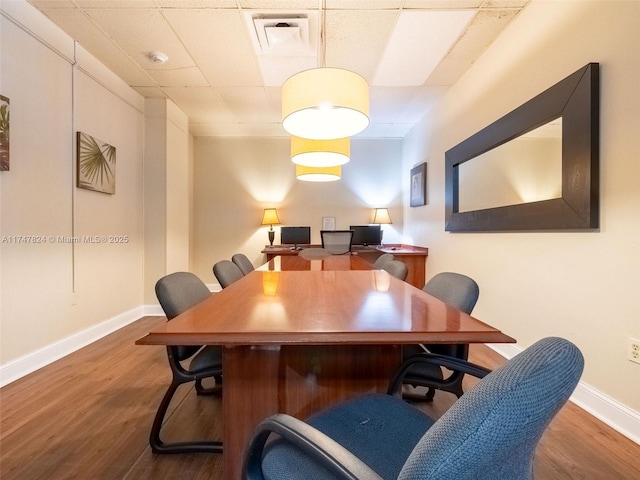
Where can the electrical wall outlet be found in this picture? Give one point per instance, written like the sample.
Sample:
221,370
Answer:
634,350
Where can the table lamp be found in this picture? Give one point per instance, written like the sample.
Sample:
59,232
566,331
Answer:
381,217
270,217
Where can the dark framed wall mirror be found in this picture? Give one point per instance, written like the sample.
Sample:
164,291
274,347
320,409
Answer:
536,168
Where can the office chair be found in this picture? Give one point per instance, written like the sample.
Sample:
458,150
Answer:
396,268
337,242
243,263
382,259
490,433
177,293
314,253
461,292
227,272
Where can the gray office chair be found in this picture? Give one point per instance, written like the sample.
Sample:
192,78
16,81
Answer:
490,433
314,253
461,292
177,293
243,263
396,268
382,259
227,272
337,242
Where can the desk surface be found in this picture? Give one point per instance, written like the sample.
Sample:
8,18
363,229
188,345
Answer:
338,300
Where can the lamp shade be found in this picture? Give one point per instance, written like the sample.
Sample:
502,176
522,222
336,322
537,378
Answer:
325,103
320,153
270,217
381,216
314,174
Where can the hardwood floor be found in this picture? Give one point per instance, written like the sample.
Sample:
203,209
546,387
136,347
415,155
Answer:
88,415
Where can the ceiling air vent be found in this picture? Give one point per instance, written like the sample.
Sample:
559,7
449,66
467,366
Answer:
283,34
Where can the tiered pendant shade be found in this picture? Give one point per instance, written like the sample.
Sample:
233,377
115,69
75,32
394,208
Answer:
321,174
320,153
325,103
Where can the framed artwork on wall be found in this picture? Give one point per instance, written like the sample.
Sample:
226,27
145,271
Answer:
418,186
328,223
96,164
4,133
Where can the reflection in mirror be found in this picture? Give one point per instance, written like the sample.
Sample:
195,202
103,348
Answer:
525,169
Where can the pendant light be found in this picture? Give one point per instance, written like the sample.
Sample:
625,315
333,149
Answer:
325,103
318,174
320,153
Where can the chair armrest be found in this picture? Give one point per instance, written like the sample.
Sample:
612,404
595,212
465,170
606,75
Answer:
451,363
323,449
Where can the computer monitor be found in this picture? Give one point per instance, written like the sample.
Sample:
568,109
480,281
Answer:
295,236
366,234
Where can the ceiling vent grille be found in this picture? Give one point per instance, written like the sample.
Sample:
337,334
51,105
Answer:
283,34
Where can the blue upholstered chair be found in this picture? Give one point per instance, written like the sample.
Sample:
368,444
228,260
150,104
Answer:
461,292
243,263
490,433
227,272
177,292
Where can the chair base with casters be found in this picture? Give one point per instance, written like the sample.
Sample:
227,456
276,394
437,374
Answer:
490,433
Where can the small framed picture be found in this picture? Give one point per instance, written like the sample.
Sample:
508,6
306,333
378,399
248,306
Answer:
4,133
328,223
96,164
418,185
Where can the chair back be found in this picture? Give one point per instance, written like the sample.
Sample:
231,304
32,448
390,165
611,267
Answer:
492,431
382,259
227,272
337,242
243,263
396,268
178,292
455,289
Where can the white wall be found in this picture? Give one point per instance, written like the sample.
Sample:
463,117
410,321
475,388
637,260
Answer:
236,178
54,290
583,285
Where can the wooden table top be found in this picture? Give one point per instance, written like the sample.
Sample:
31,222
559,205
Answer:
338,300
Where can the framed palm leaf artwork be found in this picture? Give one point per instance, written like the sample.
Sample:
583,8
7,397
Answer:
4,133
96,164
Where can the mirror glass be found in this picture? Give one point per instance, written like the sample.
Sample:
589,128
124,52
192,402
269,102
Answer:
525,169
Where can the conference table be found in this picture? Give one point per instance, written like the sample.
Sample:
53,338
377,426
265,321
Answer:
299,335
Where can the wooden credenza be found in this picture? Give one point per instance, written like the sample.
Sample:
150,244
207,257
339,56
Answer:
415,258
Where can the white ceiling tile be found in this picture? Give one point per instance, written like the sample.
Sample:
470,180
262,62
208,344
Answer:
421,39
197,3
385,130
115,3
275,70
280,4
442,4
140,31
357,39
92,39
201,104
364,4
182,77
46,4
219,42
250,103
480,33
236,130
150,92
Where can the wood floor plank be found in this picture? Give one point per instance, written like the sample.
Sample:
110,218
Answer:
88,415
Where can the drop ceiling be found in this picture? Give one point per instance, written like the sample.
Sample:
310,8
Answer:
227,59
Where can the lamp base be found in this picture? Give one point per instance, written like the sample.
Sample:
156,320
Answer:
272,235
